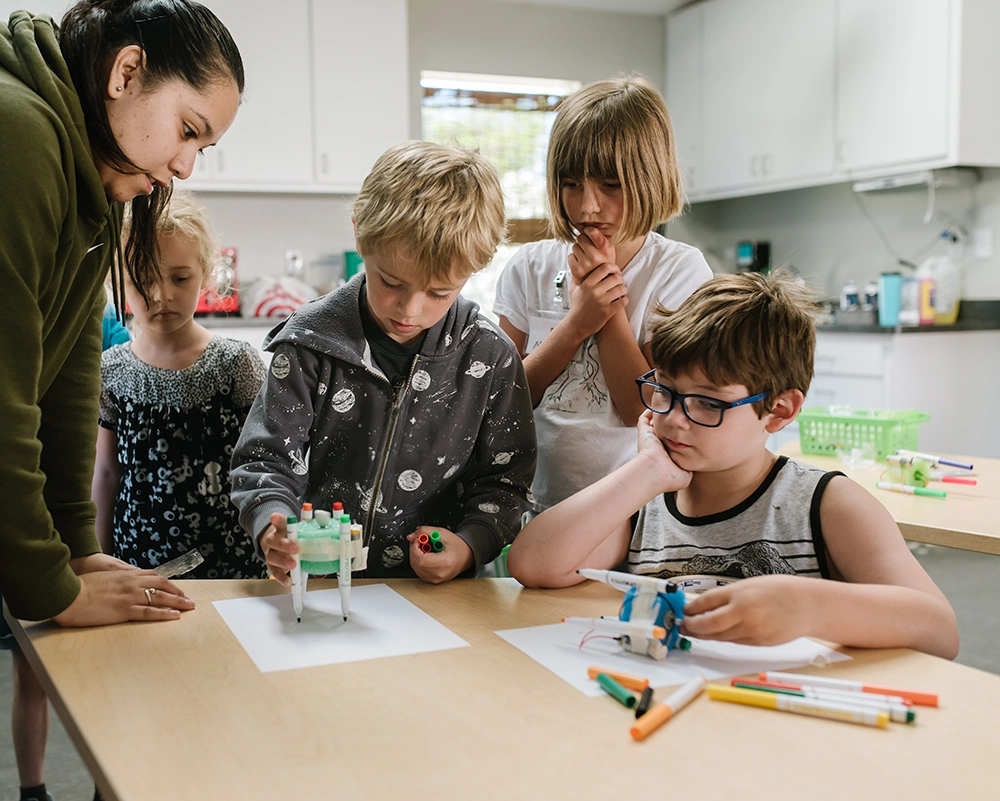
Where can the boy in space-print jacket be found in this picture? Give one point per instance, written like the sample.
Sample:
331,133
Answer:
446,442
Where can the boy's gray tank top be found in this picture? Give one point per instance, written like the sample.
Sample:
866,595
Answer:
775,531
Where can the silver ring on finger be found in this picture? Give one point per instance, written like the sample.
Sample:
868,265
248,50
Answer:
149,595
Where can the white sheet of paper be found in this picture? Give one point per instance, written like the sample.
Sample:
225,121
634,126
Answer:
557,647
381,623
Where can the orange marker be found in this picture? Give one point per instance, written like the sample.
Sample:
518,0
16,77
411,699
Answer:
661,713
637,683
797,681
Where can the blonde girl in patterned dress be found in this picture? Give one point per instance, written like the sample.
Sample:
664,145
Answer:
173,402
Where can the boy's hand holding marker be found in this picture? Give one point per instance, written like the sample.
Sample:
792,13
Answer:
437,567
763,610
279,551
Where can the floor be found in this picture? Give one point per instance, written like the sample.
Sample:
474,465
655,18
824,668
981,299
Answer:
971,582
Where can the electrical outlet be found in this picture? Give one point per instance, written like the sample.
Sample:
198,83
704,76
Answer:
982,244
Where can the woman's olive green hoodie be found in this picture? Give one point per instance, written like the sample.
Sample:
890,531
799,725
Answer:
57,231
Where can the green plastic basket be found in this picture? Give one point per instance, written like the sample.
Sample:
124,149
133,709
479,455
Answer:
824,429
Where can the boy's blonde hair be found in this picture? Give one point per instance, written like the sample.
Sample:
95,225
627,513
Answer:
617,129
183,216
751,329
443,206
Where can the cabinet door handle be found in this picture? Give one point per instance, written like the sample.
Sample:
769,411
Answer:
765,164
753,166
840,151
324,163
220,161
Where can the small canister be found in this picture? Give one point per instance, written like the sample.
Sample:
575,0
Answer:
890,288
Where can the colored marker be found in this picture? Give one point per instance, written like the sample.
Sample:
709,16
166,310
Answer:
911,490
424,543
626,581
307,511
798,681
661,713
644,701
298,586
969,482
832,710
616,626
936,460
637,683
896,700
896,712
436,544
344,574
615,690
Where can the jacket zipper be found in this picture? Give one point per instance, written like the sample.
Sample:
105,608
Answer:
397,401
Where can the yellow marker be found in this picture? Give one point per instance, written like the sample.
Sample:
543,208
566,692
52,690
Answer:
832,710
661,713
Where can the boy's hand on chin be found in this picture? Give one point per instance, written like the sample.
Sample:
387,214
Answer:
651,448
763,610
437,568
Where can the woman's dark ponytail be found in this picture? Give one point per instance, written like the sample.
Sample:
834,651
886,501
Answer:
180,40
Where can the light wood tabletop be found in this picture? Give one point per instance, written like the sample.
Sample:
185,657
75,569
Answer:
969,518
177,710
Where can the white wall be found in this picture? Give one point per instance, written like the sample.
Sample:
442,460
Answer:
824,233
454,35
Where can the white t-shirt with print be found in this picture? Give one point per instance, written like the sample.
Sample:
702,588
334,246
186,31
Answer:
581,438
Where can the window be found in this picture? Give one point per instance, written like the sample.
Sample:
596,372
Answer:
509,120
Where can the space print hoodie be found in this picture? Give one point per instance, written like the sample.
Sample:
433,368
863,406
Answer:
452,444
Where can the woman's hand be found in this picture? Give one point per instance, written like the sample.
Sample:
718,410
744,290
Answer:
97,562
113,595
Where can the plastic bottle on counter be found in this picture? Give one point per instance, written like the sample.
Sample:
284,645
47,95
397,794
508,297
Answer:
945,267
925,293
869,301
849,296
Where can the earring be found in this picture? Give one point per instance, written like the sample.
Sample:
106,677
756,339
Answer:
118,88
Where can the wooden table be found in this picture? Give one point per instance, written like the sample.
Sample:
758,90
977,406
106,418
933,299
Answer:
969,518
178,711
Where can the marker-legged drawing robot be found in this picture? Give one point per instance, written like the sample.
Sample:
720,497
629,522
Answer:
650,615
327,546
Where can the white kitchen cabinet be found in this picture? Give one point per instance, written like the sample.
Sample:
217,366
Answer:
360,86
892,78
952,375
684,90
269,146
800,94
767,92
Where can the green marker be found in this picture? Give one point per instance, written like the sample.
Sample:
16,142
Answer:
436,544
615,690
930,493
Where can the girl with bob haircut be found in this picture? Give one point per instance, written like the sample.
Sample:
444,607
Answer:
577,306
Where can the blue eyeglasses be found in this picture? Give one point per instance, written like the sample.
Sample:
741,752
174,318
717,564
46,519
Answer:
699,409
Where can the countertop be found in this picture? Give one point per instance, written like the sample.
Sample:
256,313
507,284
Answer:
973,315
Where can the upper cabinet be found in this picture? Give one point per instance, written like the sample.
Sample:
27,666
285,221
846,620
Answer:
323,96
795,94
269,145
892,75
360,87
767,92
684,90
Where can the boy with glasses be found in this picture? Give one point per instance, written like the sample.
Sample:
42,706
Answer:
705,496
